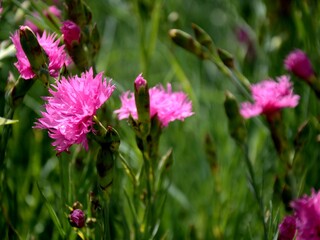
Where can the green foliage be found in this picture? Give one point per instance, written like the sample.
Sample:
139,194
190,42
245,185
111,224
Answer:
203,187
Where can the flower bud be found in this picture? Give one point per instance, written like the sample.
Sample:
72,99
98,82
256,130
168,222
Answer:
77,218
31,47
187,42
226,58
142,100
299,64
71,33
203,38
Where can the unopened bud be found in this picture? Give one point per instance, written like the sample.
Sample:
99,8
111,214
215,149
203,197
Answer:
226,58
187,42
31,47
71,33
299,64
204,38
142,99
77,218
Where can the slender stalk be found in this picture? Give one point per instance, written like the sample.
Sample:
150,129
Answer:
5,138
106,217
255,187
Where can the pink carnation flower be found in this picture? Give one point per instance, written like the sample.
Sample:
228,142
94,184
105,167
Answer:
287,228
307,214
70,110
167,105
299,64
270,96
56,54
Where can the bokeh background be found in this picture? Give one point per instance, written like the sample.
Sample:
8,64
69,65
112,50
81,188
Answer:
209,196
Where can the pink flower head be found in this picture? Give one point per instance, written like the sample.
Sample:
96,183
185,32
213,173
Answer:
307,214
270,96
71,32
56,54
287,228
299,64
70,110
167,105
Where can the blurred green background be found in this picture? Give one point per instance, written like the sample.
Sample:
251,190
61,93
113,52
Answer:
209,196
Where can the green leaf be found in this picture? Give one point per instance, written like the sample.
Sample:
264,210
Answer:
53,214
4,121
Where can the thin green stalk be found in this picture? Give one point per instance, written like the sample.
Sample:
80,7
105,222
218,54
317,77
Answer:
242,86
106,217
142,43
255,187
5,138
64,183
128,170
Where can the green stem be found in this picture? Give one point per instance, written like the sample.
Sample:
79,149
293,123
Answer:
106,218
5,138
142,42
254,184
238,79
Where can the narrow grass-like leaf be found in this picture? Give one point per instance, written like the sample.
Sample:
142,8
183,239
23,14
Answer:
53,214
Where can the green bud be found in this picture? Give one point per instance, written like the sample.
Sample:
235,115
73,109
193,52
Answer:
236,124
142,99
187,42
226,58
204,38
34,52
